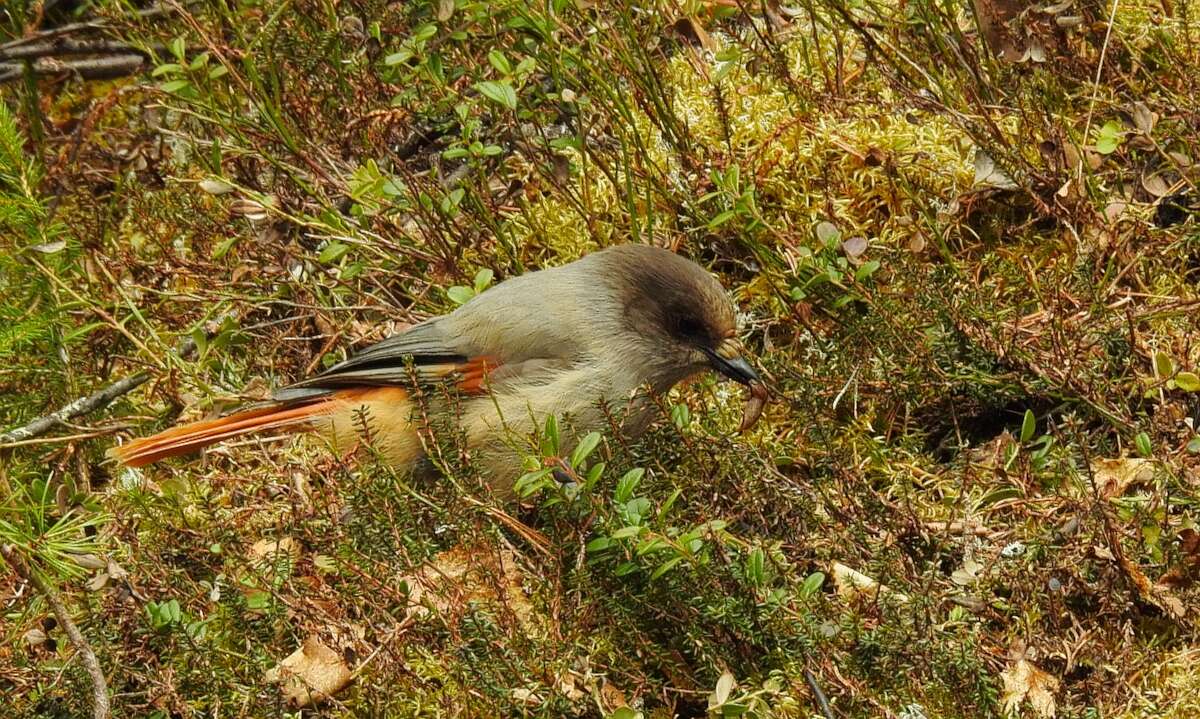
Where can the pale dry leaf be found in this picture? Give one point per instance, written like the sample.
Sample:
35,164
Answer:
1144,119
1114,210
1180,160
88,561
33,637
1025,682
827,232
1115,475
851,583
216,187
724,688
49,248
610,696
1155,185
568,687
968,573
987,172
526,696
115,571
462,575
269,549
855,246
311,674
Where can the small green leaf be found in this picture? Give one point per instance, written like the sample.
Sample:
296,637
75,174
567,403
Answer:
165,68
812,584
550,435
866,270
665,567
1193,445
626,485
1028,426
501,63
501,93
224,246
756,567
483,279
1188,381
1142,440
1164,366
626,532
333,252
624,713
999,495
398,58
721,218
460,295
680,415
530,482
584,449
1108,138
625,568
174,86
599,544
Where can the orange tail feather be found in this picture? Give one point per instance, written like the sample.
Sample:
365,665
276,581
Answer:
191,437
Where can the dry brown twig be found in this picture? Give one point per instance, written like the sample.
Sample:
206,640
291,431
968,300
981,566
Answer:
100,703
84,405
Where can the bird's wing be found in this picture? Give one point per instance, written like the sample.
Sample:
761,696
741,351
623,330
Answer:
423,354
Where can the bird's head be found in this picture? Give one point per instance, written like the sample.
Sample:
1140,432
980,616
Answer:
682,316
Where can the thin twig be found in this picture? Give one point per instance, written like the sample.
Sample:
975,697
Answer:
65,438
71,28
33,51
85,405
98,68
818,695
81,406
100,705
1087,125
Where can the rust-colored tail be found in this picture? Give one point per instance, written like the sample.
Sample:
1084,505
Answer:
191,437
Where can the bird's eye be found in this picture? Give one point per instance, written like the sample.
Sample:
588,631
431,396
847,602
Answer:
689,327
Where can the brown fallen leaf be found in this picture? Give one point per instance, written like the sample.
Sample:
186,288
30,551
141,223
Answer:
268,549
1025,682
1114,476
1184,572
852,583
462,575
311,674
692,32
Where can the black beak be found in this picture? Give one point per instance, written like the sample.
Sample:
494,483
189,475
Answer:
727,360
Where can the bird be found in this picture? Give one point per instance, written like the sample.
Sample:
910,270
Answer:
584,342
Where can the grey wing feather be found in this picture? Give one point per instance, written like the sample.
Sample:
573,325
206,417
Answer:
423,352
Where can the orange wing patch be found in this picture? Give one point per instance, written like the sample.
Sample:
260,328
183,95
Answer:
473,374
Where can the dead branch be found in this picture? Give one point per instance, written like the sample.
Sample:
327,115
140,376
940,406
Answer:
100,705
97,68
85,405
84,26
52,48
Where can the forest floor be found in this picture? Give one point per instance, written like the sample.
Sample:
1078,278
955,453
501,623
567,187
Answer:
970,277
